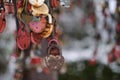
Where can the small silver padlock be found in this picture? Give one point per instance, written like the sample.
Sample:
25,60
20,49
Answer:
65,3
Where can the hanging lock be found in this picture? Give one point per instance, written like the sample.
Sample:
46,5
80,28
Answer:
65,3
49,28
36,3
23,38
54,60
2,20
38,26
9,7
37,37
37,11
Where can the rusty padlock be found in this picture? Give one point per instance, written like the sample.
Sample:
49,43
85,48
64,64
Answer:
49,28
35,38
2,20
38,26
9,7
23,37
54,60
37,11
55,3
36,3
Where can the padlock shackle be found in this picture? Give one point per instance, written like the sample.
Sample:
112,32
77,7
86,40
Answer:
54,46
49,18
53,40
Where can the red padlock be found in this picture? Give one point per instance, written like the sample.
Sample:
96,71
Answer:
55,3
23,37
38,26
2,21
35,38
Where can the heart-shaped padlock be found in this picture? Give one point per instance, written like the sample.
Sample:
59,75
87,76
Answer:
36,3
37,11
55,3
35,38
2,20
54,60
23,38
9,7
38,26
49,28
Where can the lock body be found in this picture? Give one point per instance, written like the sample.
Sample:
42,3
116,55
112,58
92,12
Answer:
54,60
